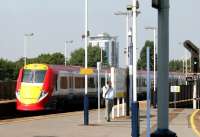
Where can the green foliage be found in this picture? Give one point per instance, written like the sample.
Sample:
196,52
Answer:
55,58
94,55
77,57
7,70
142,60
176,65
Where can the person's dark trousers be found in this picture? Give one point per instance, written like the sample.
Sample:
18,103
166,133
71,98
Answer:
109,105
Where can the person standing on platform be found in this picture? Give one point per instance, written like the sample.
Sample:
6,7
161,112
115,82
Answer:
109,96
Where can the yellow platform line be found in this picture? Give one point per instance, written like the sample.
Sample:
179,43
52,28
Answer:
192,122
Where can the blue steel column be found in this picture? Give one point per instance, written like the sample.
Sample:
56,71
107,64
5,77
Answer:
148,113
163,58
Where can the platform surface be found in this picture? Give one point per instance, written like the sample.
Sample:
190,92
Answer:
71,125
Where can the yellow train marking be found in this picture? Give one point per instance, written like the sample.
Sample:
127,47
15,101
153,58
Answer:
193,123
36,66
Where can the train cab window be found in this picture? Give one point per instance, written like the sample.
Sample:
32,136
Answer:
91,83
33,76
63,82
79,82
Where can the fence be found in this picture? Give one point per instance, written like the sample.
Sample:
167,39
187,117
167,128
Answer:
7,90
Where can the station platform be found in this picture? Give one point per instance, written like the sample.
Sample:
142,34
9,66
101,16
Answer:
71,125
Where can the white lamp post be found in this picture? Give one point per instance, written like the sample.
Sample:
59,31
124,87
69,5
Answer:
26,38
128,14
134,104
86,113
66,42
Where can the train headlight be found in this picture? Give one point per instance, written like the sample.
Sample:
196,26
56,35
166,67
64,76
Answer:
43,95
17,94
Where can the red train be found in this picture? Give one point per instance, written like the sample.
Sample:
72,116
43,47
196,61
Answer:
41,86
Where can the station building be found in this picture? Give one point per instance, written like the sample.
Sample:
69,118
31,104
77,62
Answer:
109,44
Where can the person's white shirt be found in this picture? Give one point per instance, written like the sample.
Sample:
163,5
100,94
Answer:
105,89
109,94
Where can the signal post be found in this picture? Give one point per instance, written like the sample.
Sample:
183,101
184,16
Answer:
163,58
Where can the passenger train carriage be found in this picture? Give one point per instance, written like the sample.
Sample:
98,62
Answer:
41,87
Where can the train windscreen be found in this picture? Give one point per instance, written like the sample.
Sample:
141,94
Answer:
33,76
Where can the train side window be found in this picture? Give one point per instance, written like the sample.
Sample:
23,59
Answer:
91,82
63,83
79,82
70,82
103,82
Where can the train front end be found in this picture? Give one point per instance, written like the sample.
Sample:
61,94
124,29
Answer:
34,87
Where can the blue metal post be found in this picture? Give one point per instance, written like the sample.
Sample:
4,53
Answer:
86,106
148,113
135,119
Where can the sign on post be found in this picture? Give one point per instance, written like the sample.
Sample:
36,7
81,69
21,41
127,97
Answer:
118,79
87,71
175,89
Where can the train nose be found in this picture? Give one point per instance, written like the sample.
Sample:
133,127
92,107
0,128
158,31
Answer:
29,94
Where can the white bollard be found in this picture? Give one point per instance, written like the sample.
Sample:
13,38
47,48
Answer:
117,107
123,107
113,112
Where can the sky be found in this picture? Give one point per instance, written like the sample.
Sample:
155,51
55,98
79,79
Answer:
55,21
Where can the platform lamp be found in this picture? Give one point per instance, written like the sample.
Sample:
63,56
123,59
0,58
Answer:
26,39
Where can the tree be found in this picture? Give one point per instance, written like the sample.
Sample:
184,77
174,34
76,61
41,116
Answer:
7,70
57,58
77,57
94,55
142,60
176,65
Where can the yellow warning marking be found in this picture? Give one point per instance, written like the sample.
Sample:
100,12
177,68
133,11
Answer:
193,124
87,71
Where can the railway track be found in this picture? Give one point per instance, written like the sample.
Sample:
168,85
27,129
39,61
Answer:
8,111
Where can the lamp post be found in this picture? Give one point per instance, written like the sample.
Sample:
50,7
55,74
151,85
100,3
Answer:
26,38
154,58
134,104
86,101
128,13
66,42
